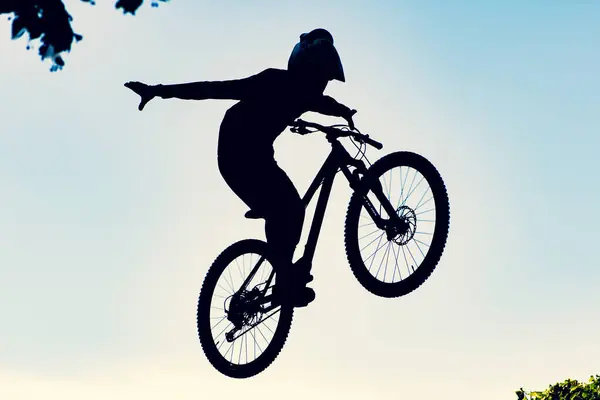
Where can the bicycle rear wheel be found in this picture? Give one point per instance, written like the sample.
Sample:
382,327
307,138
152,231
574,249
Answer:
240,331
398,260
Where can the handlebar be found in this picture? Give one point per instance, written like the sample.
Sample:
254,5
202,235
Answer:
300,126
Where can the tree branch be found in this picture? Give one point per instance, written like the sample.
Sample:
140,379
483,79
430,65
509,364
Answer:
49,21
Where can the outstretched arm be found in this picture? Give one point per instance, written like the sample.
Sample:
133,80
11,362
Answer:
225,90
237,89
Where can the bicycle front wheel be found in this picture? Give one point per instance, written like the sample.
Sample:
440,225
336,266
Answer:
395,261
240,331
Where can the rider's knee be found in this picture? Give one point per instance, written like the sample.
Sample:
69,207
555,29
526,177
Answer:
289,213
285,225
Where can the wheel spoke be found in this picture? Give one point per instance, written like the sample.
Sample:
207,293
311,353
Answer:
413,190
391,185
232,347
396,265
270,330
419,247
422,197
262,275
226,290
224,329
383,233
224,318
243,266
405,259
377,249
363,225
419,204
255,342
261,333
368,234
382,259
238,267
387,259
423,243
413,257
423,212
230,281
410,188
401,187
229,348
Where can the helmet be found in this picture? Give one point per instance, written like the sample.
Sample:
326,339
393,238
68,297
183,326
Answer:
316,50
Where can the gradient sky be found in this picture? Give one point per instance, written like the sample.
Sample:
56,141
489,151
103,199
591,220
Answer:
109,218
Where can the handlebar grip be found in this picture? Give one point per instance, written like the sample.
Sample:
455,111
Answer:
373,143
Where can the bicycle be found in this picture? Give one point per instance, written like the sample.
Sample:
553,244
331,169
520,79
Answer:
249,307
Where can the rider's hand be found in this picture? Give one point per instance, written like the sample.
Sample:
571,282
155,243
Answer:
146,92
349,118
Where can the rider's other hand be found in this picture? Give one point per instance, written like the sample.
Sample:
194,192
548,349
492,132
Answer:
349,119
143,90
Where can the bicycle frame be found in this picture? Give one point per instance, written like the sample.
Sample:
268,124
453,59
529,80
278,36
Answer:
338,159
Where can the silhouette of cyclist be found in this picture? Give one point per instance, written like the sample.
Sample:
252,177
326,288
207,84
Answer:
268,102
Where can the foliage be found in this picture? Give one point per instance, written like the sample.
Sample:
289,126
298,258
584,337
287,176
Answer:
49,21
567,390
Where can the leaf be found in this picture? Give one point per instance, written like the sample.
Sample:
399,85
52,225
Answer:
48,22
18,28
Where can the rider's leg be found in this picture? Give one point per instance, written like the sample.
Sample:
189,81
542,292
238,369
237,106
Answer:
267,189
284,214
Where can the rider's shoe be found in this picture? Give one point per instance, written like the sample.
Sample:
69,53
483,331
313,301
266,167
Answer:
303,297
294,292
291,286
299,295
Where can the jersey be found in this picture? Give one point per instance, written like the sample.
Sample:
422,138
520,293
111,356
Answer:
268,102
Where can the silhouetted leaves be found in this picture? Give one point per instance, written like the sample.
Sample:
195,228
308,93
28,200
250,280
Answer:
567,390
49,22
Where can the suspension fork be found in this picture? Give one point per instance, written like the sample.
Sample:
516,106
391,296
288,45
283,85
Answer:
363,184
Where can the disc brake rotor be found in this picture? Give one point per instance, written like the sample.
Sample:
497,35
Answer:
404,230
